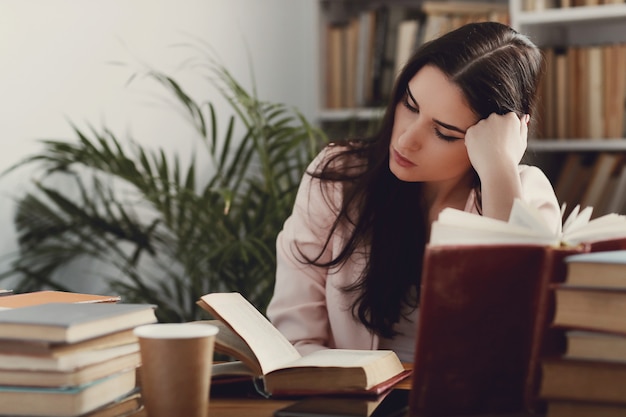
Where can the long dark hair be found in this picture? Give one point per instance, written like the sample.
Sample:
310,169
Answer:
498,71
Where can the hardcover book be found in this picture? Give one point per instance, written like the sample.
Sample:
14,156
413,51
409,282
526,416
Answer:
45,297
69,323
266,354
487,304
65,401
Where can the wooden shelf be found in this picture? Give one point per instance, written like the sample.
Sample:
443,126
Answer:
337,115
578,145
595,15
582,25
552,29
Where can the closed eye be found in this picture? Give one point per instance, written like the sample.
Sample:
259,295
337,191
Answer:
445,137
410,103
405,101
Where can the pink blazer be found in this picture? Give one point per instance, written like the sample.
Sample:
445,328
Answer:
308,305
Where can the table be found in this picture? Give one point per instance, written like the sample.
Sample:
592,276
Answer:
236,406
246,405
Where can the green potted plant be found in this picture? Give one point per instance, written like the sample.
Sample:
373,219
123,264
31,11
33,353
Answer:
161,233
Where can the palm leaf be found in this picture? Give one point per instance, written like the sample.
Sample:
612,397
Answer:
166,235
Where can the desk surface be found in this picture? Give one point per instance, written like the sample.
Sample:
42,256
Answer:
246,406
236,406
259,407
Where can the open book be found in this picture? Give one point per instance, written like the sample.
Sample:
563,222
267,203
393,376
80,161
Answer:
488,284
525,225
265,353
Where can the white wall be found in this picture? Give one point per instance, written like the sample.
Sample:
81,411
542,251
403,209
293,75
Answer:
55,66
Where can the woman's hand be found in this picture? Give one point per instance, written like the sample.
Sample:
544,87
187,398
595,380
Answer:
495,146
497,142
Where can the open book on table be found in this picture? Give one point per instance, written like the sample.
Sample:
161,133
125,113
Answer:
486,306
263,352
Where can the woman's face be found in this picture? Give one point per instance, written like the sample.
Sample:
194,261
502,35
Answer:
427,141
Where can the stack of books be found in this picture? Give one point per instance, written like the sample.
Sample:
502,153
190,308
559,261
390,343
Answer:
69,358
589,379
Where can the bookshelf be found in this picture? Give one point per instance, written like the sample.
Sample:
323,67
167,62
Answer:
566,128
580,138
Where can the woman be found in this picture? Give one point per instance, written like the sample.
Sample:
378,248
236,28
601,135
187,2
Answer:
350,255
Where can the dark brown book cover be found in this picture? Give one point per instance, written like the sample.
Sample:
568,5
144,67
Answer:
546,340
485,325
479,315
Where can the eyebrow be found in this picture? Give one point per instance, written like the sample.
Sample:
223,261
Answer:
439,122
449,127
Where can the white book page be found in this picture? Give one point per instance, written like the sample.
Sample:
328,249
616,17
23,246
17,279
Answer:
340,358
577,219
443,234
271,348
457,227
606,227
528,217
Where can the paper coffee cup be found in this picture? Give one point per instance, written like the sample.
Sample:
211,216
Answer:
176,360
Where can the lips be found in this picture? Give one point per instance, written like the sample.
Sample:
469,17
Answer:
401,160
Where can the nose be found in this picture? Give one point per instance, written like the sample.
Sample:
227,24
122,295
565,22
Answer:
412,134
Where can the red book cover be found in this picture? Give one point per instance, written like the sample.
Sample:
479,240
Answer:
479,314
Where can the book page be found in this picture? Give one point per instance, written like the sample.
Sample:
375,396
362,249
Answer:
577,219
271,348
457,227
230,343
339,358
529,217
610,226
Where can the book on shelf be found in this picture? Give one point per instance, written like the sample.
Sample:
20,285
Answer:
407,41
560,89
593,179
364,57
45,297
583,92
575,110
264,353
604,167
543,120
614,63
65,401
610,189
363,54
395,15
595,113
71,322
350,58
334,46
617,202
488,284
570,177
